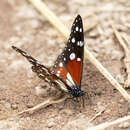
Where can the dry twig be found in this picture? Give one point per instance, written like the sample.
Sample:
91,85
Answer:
119,38
91,26
41,105
127,54
108,124
35,108
51,17
95,116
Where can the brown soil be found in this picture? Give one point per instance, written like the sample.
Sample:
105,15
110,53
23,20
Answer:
21,25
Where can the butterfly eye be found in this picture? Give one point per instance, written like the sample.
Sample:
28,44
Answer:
72,56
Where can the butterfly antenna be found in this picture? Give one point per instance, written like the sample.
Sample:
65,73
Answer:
27,56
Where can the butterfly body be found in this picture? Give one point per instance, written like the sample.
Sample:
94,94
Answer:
66,74
76,91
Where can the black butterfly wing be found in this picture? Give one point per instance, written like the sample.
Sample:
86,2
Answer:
69,64
67,71
43,72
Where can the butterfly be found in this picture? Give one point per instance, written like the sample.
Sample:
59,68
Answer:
66,74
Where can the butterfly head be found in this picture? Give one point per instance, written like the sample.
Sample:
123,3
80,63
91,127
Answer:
76,91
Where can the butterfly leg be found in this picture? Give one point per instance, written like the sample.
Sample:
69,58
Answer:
88,97
83,102
65,101
75,105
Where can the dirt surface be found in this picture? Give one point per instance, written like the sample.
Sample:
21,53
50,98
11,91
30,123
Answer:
21,25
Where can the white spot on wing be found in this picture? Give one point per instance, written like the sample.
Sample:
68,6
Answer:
38,62
41,75
78,59
78,43
72,56
73,40
46,79
61,64
44,69
80,29
81,43
25,54
58,71
70,79
31,60
69,83
64,59
77,29
57,74
62,85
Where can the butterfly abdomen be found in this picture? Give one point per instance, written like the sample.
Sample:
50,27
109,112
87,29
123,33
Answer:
76,91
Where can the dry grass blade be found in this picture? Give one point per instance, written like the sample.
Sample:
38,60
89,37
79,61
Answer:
95,116
40,6
58,24
41,105
91,26
52,18
119,38
108,124
126,40
99,66
35,108
124,43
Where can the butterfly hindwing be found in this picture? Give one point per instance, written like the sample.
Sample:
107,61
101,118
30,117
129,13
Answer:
69,64
43,72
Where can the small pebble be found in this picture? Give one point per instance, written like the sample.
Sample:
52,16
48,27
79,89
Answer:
121,27
94,34
30,105
50,124
34,23
121,100
7,105
11,119
40,91
14,106
107,42
116,55
120,79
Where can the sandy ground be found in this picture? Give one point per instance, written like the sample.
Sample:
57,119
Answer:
21,25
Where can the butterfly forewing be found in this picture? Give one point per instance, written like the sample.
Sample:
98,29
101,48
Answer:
69,64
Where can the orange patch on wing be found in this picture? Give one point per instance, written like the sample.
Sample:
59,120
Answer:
63,72
75,70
